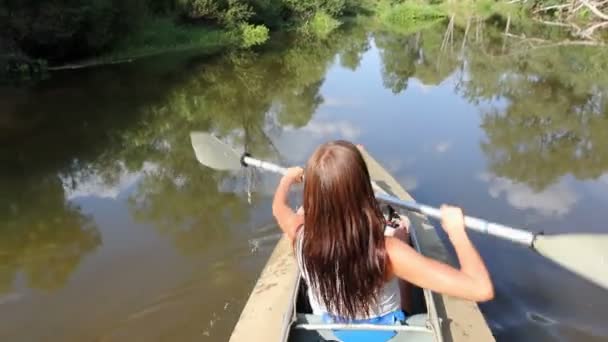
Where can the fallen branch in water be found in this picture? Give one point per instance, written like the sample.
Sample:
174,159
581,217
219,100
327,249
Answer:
594,9
569,13
552,23
588,32
552,7
553,44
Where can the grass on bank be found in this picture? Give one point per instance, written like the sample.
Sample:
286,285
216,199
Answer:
414,15
162,35
408,16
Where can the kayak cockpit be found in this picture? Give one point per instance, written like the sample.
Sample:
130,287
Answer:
306,326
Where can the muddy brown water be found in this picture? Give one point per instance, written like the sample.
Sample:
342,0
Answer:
111,231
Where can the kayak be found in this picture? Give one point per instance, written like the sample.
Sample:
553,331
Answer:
278,309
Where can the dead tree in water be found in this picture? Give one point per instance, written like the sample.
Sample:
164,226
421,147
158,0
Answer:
567,13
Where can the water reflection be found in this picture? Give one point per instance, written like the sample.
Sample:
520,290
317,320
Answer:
121,135
554,200
544,105
42,236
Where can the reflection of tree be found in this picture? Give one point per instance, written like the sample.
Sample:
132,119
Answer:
554,96
143,123
242,96
191,211
547,131
41,234
399,55
355,44
554,111
421,55
53,136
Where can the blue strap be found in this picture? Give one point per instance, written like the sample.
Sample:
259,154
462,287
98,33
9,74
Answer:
395,317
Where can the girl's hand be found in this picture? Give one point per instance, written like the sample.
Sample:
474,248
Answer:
404,223
452,220
294,175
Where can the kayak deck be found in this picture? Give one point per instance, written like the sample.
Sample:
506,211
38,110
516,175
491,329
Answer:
275,310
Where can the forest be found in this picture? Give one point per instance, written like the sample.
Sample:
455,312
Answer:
37,34
60,31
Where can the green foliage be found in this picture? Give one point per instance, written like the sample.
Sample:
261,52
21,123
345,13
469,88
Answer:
237,12
208,9
307,8
64,30
15,68
163,34
61,29
253,34
408,17
230,13
321,25
408,12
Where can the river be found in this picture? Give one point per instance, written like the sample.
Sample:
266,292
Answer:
111,231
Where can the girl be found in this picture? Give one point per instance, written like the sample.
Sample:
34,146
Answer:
350,265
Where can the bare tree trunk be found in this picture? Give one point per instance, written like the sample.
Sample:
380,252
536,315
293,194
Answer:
466,34
505,37
449,34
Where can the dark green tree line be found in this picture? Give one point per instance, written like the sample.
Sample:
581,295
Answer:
64,30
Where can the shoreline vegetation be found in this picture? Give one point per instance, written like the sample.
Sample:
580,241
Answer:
77,34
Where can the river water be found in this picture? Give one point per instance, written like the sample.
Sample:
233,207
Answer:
111,231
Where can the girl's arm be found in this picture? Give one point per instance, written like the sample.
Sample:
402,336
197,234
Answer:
471,281
287,219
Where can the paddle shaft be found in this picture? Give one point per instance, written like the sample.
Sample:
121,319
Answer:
501,231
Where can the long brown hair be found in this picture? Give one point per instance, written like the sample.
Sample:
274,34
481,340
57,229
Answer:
343,245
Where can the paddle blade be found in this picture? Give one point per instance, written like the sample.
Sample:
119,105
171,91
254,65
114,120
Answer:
583,254
213,153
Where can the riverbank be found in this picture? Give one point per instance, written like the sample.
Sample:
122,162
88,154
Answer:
80,34
211,30
161,36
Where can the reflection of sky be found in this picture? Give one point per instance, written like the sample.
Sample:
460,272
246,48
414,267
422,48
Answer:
557,199
95,186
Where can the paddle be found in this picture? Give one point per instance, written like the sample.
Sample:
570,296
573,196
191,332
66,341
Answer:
583,254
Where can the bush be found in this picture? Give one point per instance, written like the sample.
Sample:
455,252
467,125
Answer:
17,67
253,34
305,9
411,12
408,16
321,25
201,9
64,30
229,13
61,29
159,35
236,13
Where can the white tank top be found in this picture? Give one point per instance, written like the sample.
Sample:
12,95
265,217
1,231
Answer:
389,298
